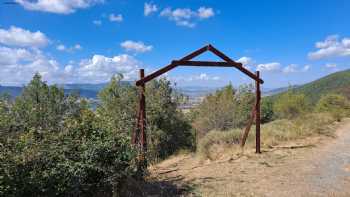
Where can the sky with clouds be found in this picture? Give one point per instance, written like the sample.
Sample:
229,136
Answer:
88,41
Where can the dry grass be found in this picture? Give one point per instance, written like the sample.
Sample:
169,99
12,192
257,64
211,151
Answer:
216,143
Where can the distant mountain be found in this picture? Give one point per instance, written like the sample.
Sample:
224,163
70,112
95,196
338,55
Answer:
278,90
89,91
92,87
338,82
16,91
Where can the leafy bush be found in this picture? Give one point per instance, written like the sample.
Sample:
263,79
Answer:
53,145
224,109
336,104
267,113
168,129
290,105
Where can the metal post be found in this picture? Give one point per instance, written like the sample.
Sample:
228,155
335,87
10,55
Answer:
257,115
142,126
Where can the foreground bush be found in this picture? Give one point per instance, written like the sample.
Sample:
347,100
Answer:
82,161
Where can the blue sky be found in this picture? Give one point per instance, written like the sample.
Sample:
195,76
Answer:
87,41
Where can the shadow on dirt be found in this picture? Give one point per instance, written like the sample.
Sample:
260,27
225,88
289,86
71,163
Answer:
155,188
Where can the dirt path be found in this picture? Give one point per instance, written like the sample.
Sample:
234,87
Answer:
323,170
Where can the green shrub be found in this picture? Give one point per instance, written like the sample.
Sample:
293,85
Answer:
223,110
336,104
82,160
267,113
290,105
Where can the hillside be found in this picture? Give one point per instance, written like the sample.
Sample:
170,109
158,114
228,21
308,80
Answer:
338,82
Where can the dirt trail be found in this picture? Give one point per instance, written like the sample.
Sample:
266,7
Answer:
323,170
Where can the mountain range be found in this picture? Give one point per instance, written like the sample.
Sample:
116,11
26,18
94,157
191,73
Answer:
338,82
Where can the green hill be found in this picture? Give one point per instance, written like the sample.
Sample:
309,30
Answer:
338,82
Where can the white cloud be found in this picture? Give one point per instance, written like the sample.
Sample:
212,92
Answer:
138,47
204,12
62,47
149,8
115,18
17,66
97,22
9,56
57,6
16,36
306,68
273,66
331,47
331,65
78,47
245,60
292,68
101,68
187,17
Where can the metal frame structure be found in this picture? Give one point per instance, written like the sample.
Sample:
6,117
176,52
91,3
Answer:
139,134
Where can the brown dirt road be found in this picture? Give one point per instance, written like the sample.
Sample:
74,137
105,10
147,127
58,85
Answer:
323,170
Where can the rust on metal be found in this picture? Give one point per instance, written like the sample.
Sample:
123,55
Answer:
257,115
205,63
249,125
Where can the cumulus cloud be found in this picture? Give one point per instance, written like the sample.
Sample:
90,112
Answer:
246,61
137,47
115,18
292,68
15,36
273,66
149,8
331,47
187,17
18,65
62,47
204,12
101,68
57,6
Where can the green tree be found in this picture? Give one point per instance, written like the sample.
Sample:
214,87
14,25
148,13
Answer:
6,119
43,107
168,130
117,108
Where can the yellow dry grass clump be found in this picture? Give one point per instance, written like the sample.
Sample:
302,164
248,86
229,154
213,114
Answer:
215,143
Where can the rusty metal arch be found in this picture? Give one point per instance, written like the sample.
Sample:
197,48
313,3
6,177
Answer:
139,135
